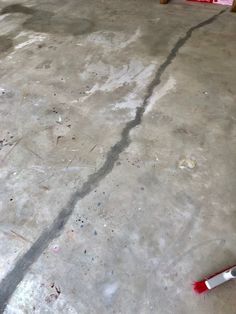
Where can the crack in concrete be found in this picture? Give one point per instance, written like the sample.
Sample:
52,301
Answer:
9,284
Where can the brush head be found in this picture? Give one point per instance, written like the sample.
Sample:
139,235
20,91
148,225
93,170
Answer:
200,287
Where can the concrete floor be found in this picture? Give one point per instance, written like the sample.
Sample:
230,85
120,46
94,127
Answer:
117,151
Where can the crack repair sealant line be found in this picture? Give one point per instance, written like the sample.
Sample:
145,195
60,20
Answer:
10,282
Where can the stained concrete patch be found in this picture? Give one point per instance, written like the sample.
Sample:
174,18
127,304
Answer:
17,8
47,22
5,44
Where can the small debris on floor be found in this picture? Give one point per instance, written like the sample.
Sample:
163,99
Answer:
53,296
187,163
55,248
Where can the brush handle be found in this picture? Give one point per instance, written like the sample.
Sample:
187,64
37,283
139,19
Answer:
221,278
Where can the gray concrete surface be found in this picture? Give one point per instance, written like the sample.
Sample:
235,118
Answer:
117,151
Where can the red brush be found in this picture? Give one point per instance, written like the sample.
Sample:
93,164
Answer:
215,280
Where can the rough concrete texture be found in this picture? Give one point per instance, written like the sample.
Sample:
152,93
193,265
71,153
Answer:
117,150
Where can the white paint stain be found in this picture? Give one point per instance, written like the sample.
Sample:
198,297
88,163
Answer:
155,20
132,39
134,74
112,40
135,71
141,77
32,39
159,93
22,33
2,17
110,289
